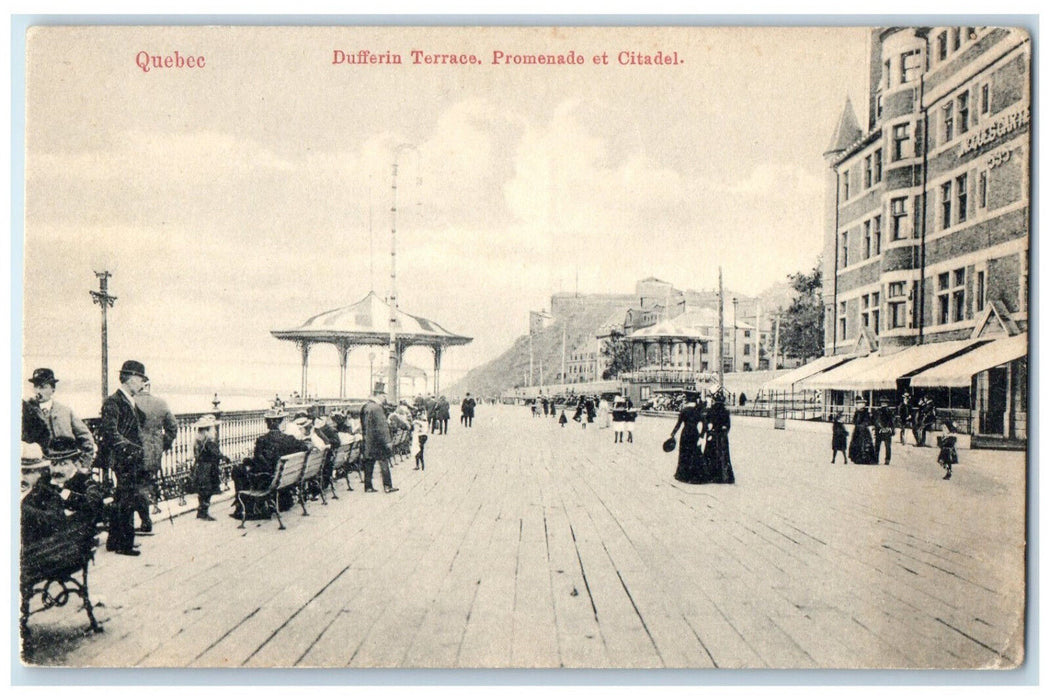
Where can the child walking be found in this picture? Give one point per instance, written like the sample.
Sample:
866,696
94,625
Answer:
948,456
419,455
205,475
839,439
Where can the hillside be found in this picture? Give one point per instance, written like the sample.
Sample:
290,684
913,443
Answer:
511,368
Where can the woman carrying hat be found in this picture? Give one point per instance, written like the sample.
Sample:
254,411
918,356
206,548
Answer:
205,477
690,420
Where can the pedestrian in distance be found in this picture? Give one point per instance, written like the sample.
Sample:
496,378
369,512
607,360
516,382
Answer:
861,445
420,463
205,476
467,410
563,420
884,417
948,454
904,414
839,439
716,454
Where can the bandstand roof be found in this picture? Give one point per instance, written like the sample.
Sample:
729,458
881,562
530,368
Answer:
668,330
368,323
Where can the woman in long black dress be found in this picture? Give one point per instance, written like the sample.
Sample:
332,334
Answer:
861,445
690,463
719,464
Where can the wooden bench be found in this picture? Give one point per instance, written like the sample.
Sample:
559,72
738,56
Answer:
56,567
353,460
287,475
313,473
340,466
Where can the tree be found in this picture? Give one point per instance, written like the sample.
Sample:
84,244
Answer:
802,324
617,352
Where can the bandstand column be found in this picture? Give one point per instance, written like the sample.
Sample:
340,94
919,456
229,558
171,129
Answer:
344,355
437,369
304,350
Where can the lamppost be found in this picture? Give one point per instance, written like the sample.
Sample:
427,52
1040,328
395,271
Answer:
735,333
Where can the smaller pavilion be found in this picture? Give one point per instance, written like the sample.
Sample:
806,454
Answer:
674,346
367,323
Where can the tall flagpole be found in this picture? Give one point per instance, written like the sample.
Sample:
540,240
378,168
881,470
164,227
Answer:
103,298
392,373
721,330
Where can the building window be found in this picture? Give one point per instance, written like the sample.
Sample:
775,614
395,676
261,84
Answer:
949,121
979,293
911,64
982,189
942,46
897,304
864,316
842,320
946,204
747,348
985,95
889,75
956,38
900,140
867,239
898,214
875,312
845,185
951,296
960,197
877,177
878,106
867,172
876,235
845,249
962,103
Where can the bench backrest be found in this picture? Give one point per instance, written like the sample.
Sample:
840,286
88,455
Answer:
340,456
355,449
314,462
289,470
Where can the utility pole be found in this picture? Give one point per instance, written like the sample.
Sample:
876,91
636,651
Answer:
721,331
103,298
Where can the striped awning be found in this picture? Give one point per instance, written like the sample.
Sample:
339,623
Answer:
821,364
880,372
960,371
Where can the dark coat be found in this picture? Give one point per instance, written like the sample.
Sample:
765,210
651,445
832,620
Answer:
839,436
205,475
884,420
121,437
376,432
271,447
467,407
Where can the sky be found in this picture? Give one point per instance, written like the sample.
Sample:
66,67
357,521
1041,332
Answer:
255,192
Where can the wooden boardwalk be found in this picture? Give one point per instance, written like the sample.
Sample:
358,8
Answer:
525,544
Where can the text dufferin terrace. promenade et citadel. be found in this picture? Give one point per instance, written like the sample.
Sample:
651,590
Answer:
502,58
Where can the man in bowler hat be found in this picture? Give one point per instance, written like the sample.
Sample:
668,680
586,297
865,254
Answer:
122,454
48,422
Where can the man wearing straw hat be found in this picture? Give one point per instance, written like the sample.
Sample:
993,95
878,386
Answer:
122,454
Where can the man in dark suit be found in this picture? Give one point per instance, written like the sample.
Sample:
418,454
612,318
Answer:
257,472
378,446
122,454
883,429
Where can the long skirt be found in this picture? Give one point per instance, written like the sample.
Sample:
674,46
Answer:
690,461
719,464
861,446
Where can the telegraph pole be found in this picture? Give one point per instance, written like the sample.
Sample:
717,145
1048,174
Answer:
721,331
392,373
103,298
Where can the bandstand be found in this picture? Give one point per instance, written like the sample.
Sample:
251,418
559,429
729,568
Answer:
367,323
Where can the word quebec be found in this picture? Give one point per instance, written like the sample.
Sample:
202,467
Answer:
501,58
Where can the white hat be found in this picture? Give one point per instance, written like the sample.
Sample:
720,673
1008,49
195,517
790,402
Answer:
206,421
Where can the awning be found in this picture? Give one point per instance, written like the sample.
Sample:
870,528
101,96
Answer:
839,377
784,381
879,372
960,371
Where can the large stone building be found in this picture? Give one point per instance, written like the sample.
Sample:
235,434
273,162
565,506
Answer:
928,204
